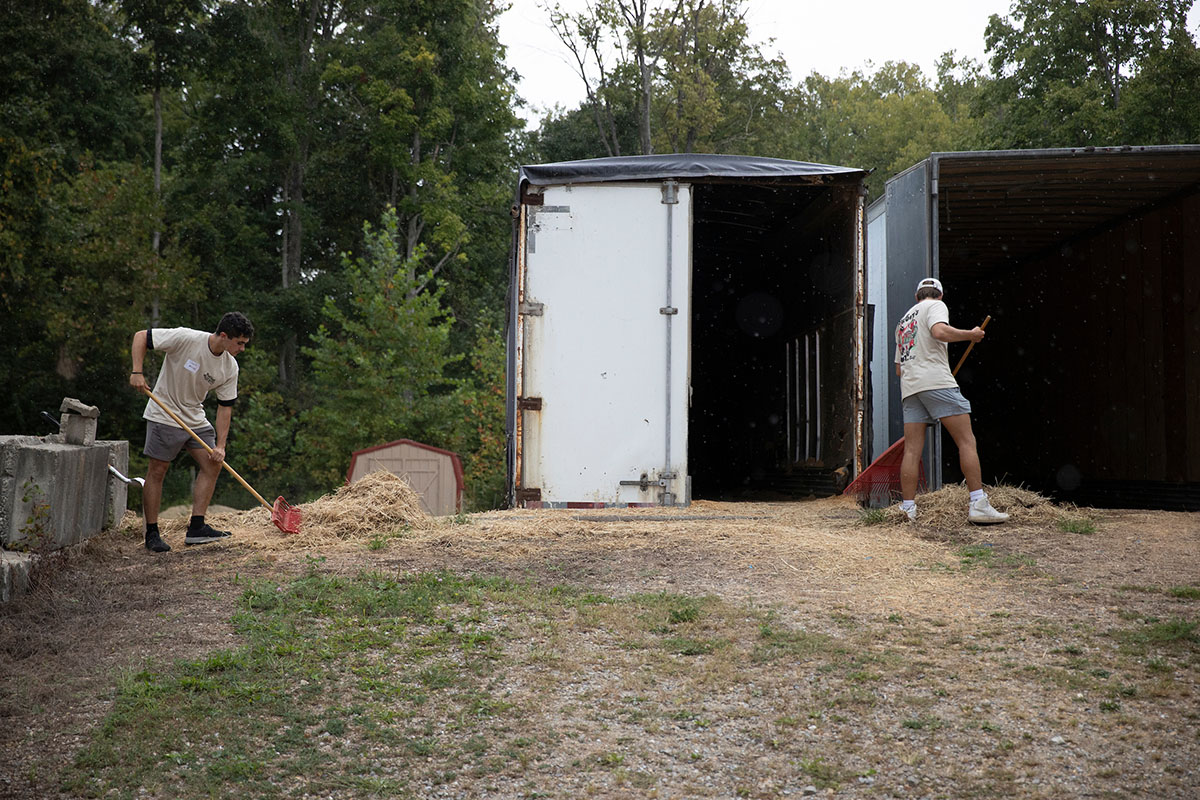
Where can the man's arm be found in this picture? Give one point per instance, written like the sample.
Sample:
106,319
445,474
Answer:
224,416
943,332
138,350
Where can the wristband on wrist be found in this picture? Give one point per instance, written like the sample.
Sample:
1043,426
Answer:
139,372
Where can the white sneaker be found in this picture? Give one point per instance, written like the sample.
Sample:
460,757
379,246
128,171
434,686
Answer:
982,513
911,512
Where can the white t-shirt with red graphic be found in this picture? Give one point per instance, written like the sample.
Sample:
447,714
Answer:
924,361
189,372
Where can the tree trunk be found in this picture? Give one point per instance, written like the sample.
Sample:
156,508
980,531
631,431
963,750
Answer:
156,298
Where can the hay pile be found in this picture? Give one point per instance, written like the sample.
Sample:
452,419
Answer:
379,504
945,511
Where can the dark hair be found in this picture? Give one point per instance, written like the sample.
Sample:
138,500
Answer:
235,324
925,292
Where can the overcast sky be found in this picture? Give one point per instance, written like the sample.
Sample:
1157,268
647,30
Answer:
824,36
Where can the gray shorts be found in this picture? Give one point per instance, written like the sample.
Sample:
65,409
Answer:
930,406
163,442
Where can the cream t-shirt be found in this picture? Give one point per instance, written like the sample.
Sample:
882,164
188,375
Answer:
189,372
924,361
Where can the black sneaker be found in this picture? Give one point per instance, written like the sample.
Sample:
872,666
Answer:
204,534
155,544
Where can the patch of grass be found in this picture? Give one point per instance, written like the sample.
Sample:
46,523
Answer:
776,643
1080,525
872,516
1185,592
923,723
823,774
1172,632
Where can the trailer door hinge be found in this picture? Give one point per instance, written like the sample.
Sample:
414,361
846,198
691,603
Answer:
529,403
668,310
526,495
531,309
670,190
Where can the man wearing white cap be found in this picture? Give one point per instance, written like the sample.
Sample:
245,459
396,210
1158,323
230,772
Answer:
929,393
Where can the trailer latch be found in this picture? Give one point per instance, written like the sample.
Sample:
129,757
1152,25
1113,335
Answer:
645,482
668,310
642,483
530,309
529,403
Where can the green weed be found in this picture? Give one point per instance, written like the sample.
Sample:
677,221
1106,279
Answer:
1081,525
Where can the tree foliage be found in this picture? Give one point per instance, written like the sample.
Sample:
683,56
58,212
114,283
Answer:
1061,68
163,161
380,355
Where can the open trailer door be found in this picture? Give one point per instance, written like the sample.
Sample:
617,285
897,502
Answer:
602,345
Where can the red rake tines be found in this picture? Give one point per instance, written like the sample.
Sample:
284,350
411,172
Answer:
285,516
879,483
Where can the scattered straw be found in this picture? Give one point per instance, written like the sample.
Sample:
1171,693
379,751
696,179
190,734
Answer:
944,512
376,505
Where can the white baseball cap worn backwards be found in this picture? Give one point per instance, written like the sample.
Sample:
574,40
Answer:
930,283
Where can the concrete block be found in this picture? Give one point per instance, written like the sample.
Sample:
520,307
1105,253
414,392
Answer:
14,574
70,405
78,430
116,497
9,445
57,496
78,422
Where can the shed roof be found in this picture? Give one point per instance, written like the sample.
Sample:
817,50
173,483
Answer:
681,166
1003,207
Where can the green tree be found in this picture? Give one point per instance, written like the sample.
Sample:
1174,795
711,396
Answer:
716,91
66,102
886,121
1160,104
1061,68
168,34
380,357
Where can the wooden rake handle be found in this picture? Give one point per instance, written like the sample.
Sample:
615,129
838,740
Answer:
204,444
967,353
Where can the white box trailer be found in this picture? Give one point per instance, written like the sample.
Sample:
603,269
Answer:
684,326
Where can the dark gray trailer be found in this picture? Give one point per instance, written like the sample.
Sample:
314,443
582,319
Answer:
1088,260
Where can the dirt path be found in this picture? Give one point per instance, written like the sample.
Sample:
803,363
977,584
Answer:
1000,667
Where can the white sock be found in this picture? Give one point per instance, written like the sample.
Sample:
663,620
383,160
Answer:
977,495
908,504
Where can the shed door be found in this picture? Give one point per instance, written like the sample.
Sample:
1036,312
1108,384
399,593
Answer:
605,318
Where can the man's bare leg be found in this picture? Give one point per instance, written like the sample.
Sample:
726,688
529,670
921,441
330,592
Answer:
206,480
910,466
959,427
156,472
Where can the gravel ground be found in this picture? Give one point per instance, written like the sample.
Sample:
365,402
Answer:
1012,661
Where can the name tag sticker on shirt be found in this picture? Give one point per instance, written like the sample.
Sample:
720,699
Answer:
191,366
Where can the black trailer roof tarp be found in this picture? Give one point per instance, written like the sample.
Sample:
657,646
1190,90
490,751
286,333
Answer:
680,166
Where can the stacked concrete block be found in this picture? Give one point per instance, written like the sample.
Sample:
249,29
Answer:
54,494
78,422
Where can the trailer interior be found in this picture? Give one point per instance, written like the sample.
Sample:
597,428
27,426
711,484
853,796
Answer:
1087,387
773,405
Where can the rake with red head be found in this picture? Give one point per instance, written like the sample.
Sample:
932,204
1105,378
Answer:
284,516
